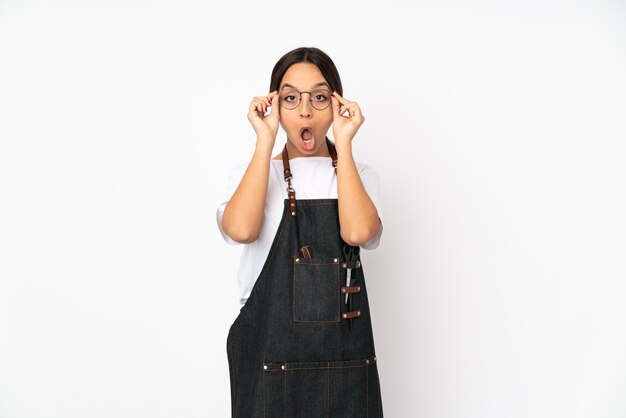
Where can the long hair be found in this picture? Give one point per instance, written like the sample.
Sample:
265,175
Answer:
309,55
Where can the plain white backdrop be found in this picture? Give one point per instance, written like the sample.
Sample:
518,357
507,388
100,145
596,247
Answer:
498,129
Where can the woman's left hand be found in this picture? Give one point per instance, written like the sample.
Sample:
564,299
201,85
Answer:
345,127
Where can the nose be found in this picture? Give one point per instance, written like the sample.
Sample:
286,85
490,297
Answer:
305,107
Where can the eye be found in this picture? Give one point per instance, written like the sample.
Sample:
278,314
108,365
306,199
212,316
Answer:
290,96
320,96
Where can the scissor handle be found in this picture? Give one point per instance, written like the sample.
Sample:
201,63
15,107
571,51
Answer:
351,252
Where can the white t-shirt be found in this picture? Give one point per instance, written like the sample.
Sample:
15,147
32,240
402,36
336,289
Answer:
313,178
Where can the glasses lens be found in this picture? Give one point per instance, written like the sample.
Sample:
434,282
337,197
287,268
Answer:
320,99
289,98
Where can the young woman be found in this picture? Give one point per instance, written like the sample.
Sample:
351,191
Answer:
302,344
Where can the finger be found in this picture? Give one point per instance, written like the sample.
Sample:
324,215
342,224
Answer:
269,97
253,113
274,104
336,108
263,100
273,98
341,99
258,102
270,101
353,108
357,112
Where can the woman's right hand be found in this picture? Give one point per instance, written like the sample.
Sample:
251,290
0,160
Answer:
265,126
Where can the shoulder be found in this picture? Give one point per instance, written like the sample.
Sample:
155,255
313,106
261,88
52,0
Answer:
238,170
361,166
234,177
242,166
366,170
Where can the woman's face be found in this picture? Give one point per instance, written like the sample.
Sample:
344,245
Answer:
306,126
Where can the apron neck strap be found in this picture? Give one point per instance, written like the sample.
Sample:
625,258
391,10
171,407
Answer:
287,171
288,176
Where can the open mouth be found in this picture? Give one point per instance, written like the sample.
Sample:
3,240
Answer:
307,137
306,134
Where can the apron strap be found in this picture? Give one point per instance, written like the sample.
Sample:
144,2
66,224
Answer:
288,176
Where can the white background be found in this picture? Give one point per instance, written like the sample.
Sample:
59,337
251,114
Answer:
498,130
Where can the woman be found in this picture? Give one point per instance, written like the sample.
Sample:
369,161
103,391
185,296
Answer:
302,345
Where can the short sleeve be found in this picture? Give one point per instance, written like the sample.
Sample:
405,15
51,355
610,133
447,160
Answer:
233,182
371,183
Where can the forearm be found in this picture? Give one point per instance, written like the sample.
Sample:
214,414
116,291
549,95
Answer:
243,214
358,217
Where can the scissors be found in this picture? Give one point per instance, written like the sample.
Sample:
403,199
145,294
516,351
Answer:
351,254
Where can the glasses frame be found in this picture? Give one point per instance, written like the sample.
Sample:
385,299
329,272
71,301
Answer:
310,98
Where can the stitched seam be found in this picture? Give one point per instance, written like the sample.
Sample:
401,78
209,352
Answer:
378,395
285,396
304,262
367,399
299,321
328,364
293,295
338,284
328,405
266,264
316,368
303,203
274,248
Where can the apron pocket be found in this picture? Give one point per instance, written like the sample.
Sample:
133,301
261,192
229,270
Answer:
321,389
316,290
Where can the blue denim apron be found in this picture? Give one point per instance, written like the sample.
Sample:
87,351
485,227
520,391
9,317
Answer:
297,349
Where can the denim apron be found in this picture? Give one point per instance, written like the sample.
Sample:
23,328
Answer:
302,345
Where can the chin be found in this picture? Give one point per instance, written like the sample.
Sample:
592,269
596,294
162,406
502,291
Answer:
305,151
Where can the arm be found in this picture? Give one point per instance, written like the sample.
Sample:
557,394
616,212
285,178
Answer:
243,214
358,217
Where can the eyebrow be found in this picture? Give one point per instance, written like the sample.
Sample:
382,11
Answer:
323,83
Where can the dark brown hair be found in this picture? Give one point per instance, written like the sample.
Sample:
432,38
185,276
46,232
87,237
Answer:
310,55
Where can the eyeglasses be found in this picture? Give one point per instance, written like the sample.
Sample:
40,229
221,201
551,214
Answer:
290,98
